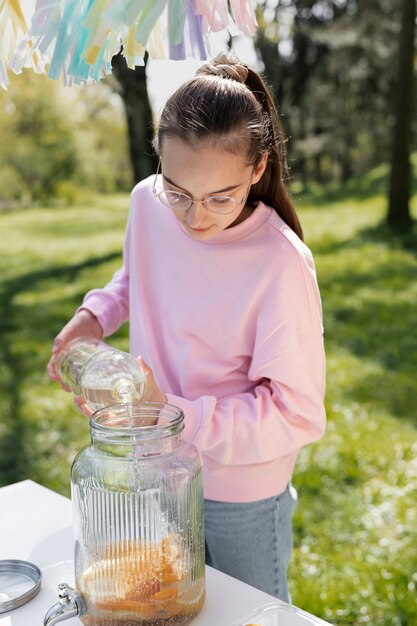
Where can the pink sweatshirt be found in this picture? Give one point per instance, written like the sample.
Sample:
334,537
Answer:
232,328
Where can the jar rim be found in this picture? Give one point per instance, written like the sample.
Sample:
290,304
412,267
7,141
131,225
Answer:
123,419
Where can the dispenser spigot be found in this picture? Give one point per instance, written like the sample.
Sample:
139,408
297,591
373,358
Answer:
70,604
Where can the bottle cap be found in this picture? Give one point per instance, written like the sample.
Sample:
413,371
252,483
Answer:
20,581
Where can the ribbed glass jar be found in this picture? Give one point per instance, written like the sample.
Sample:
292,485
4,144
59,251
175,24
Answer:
138,519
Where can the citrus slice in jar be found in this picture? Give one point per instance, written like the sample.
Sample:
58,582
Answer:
110,607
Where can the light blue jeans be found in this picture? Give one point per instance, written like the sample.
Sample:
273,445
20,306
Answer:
252,541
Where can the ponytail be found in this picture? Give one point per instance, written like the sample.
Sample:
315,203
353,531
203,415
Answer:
271,187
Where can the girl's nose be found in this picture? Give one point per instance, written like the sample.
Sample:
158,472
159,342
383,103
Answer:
196,213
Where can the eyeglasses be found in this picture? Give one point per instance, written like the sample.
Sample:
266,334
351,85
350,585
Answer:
182,202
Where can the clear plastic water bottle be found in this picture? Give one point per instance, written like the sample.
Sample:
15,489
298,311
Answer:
99,373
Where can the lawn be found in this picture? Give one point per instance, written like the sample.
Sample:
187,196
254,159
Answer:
355,555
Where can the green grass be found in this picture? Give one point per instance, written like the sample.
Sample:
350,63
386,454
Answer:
355,556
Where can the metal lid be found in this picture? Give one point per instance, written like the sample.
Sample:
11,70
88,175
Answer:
20,581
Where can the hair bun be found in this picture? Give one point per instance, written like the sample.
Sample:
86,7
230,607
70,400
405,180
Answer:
226,66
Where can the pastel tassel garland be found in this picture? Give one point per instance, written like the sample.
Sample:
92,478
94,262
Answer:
76,39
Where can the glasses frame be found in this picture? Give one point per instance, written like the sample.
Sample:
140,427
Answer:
157,194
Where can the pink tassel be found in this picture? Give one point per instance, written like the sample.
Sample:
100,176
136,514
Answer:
244,16
214,11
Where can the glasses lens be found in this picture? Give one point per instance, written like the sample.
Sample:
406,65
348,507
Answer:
220,204
175,200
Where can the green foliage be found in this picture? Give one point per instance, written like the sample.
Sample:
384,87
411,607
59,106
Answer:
100,132
37,144
57,142
355,526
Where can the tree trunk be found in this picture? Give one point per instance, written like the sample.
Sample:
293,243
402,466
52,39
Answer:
345,159
133,91
400,178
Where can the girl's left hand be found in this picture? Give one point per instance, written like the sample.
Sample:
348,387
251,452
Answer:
152,393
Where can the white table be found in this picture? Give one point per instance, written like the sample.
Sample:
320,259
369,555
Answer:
35,526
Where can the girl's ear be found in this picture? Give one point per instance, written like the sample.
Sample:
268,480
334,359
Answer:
260,168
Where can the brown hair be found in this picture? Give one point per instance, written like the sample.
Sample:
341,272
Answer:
229,104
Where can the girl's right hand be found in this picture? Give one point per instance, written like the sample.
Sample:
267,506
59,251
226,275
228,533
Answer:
83,324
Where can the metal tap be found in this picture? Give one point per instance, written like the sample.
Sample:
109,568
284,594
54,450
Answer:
70,604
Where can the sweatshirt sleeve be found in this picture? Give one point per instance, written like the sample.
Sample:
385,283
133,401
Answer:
284,412
110,305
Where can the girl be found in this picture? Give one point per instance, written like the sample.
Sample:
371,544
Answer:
224,309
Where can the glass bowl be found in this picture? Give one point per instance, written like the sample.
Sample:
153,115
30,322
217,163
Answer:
277,614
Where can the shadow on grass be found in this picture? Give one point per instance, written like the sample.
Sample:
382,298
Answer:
14,464
383,336
380,233
405,239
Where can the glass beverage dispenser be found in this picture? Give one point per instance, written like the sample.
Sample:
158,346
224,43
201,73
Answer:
138,522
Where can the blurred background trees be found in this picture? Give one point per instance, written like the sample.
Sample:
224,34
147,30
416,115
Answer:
343,77
58,144
342,71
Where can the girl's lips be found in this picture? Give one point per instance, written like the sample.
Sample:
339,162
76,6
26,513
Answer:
199,230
